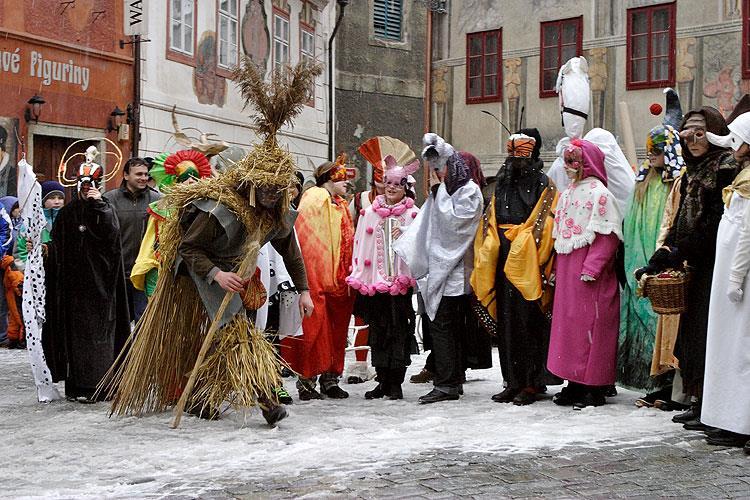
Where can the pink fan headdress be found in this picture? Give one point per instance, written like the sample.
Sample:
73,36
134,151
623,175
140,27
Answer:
397,174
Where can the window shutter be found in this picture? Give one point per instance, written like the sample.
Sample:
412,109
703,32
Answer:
387,18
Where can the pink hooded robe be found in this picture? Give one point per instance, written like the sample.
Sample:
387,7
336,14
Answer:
586,314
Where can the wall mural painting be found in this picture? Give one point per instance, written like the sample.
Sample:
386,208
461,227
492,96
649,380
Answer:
721,71
256,40
209,87
8,145
686,70
91,23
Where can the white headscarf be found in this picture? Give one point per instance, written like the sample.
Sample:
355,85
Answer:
620,175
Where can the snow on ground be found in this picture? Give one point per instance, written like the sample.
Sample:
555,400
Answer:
68,449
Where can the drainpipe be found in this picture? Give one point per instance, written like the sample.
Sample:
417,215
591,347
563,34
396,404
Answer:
331,63
427,114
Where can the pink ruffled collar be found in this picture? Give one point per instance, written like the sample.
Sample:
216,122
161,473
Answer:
384,210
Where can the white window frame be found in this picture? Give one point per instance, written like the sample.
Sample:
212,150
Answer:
279,41
182,25
226,31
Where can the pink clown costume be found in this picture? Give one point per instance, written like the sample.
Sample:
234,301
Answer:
585,318
384,282
369,262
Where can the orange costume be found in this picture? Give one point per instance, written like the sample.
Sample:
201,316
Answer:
13,284
326,237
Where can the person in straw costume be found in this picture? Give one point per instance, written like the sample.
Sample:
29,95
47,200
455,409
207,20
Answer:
200,320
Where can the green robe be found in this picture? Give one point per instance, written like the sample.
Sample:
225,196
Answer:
637,318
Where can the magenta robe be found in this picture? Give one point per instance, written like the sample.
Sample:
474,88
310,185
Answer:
586,315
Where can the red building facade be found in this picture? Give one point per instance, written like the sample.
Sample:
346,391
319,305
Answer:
69,54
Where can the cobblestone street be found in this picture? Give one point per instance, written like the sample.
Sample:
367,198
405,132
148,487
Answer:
355,448
686,468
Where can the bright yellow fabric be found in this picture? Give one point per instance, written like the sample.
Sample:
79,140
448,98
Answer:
486,253
146,259
523,266
319,233
740,185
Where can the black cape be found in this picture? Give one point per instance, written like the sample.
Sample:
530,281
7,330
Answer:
87,321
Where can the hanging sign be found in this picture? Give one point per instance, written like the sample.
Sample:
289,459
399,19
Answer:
136,17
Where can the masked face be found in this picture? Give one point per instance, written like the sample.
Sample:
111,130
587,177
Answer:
394,192
267,198
695,140
573,163
656,158
339,188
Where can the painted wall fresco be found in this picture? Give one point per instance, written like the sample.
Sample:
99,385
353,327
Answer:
721,71
209,87
256,41
91,23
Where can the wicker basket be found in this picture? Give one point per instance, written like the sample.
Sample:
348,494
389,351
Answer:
668,295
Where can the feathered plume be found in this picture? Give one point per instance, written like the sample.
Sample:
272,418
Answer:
279,101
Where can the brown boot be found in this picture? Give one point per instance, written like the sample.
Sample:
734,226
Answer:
422,377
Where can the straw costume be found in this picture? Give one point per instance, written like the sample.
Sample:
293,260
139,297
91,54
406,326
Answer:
218,226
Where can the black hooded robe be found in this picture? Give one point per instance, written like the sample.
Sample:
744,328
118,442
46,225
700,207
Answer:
87,321
523,330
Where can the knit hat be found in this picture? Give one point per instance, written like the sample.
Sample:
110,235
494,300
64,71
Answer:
51,187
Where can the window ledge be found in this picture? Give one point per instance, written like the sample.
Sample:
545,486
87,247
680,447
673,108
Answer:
223,72
649,85
179,57
404,45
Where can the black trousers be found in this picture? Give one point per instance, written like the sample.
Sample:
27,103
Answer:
446,330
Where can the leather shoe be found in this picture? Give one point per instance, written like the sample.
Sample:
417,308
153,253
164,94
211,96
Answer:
692,414
727,438
436,396
695,425
590,399
336,392
376,393
524,398
567,396
274,415
422,377
395,392
506,396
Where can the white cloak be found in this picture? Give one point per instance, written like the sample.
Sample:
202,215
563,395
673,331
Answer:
436,244
726,387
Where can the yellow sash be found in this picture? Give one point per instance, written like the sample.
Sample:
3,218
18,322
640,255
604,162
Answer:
740,185
529,258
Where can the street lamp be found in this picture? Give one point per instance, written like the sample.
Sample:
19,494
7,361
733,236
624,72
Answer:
115,119
34,108
342,5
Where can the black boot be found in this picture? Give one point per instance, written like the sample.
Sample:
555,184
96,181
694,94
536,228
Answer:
382,388
395,379
569,395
